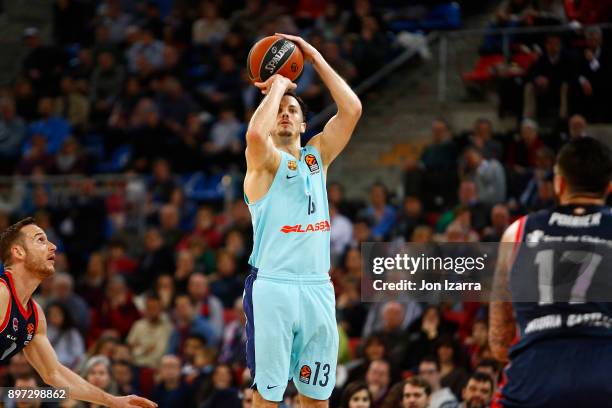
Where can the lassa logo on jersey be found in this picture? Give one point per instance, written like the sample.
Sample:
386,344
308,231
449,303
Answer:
319,226
312,163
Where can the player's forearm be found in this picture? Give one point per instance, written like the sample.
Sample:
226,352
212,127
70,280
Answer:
502,329
346,100
78,388
264,118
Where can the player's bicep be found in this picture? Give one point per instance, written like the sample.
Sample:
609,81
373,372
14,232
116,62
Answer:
502,325
40,353
260,152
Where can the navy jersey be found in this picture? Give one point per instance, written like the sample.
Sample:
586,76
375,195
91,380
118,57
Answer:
19,326
563,262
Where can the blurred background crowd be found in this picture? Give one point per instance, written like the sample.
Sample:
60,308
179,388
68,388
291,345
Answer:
124,137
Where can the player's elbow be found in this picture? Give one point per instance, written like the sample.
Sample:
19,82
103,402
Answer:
499,352
355,108
52,377
253,136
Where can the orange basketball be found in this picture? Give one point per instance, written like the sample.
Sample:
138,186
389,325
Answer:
274,55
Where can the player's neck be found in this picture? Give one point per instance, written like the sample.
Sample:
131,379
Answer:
24,283
288,145
581,200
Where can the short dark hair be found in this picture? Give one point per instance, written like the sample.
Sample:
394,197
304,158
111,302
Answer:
352,389
417,381
488,362
586,164
482,377
11,235
300,102
431,359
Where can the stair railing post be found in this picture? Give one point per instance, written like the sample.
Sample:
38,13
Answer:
442,68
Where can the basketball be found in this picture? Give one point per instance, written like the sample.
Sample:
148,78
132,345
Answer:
274,55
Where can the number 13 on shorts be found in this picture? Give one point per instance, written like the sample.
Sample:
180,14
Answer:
320,376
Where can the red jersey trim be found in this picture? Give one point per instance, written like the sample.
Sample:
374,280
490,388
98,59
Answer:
25,313
35,315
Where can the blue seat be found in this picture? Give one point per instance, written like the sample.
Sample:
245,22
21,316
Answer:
119,159
94,145
200,187
445,16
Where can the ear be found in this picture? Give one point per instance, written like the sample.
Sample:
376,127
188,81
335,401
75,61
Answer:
18,252
559,184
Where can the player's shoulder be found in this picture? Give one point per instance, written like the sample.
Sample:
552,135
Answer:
5,292
263,162
514,232
5,299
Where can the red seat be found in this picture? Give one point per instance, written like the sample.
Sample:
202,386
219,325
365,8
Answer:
353,344
484,69
525,59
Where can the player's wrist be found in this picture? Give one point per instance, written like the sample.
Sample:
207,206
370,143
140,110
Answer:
317,59
110,400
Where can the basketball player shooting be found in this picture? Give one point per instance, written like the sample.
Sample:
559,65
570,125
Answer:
289,299
28,259
564,354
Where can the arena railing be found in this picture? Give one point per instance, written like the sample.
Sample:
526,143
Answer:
410,52
18,194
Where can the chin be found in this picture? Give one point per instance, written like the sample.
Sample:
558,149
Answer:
45,273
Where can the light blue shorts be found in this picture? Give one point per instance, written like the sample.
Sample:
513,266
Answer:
291,334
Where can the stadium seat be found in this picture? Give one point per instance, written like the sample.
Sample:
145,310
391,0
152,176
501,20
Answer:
354,343
119,159
484,70
199,187
445,16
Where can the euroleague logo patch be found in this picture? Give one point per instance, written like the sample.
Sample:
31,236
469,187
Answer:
305,374
15,324
312,163
30,329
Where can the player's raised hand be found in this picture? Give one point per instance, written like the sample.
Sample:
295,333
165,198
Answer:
132,401
308,50
276,78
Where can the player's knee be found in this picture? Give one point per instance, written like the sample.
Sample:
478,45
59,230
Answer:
260,402
306,402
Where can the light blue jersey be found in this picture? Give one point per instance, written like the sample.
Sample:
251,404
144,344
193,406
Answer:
291,228
288,297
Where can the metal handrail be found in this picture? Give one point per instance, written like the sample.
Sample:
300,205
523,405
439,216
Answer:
375,78
522,30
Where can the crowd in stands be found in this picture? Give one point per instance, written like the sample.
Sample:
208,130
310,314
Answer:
549,76
160,313
167,321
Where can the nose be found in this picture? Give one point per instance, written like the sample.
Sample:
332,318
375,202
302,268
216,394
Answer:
53,247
